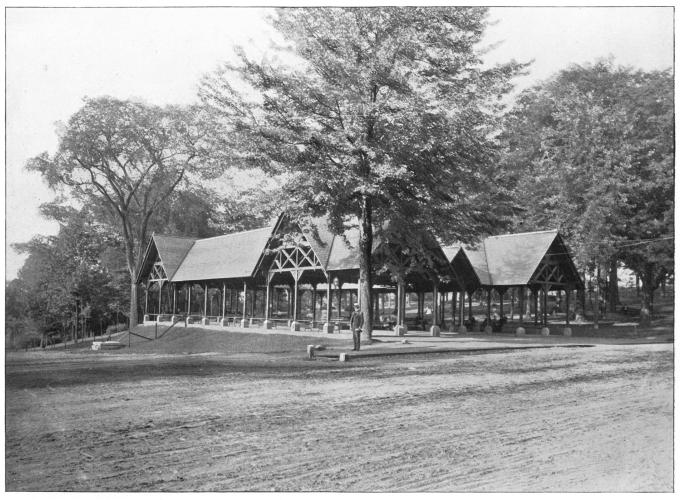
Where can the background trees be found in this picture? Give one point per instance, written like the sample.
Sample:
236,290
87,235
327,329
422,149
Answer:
590,151
124,159
374,115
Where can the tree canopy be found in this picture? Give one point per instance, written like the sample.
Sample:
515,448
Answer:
590,151
372,115
124,159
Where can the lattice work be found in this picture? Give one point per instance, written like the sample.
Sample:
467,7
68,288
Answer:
550,272
295,258
157,272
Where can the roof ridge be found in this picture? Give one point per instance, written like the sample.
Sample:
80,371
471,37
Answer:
234,234
173,236
522,234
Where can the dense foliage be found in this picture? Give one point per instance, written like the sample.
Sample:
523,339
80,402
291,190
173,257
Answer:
590,152
372,115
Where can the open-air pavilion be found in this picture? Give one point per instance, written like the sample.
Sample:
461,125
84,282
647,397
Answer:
308,277
528,264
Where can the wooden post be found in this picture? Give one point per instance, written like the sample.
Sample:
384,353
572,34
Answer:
328,300
174,298
545,304
501,292
534,292
461,312
512,304
443,297
470,304
160,299
435,304
521,305
400,310
339,300
314,302
295,296
245,299
224,299
488,303
189,299
567,293
146,298
205,300
266,298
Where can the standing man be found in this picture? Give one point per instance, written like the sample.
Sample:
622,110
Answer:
356,321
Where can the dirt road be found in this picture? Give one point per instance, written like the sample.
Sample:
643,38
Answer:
580,419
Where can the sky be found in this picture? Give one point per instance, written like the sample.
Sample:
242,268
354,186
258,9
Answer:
56,57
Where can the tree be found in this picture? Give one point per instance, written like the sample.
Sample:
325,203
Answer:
589,152
124,159
69,267
383,114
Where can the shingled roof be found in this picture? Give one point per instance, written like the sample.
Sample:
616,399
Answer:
507,260
512,259
222,257
171,250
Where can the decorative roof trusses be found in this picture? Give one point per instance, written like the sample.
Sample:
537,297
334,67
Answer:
295,259
158,272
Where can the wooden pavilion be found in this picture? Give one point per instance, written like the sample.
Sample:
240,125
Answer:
308,277
536,263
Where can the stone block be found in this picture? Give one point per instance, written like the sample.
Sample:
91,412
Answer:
400,330
462,330
545,331
245,323
520,332
327,328
146,318
434,331
310,351
295,326
343,357
567,332
488,330
205,321
267,324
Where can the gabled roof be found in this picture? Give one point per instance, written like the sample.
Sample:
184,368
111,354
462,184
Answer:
345,251
320,238
513,258
477,258
222,257
172,251
507,260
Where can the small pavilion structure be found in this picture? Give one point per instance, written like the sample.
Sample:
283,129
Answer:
307,277
532,264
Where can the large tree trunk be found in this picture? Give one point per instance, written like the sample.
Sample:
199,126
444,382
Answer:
613,296
646,306
133,305
365,249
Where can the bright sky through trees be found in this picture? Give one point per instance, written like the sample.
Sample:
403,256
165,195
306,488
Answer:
55,57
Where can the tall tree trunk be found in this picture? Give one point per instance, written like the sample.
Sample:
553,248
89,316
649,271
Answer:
646,306
133,305
365,248
613,297
596,309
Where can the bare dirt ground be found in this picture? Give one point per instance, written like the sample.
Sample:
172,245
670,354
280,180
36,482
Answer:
561,419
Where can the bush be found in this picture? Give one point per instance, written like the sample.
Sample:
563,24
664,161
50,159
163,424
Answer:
115,328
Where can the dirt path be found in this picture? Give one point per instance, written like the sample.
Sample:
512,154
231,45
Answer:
557,419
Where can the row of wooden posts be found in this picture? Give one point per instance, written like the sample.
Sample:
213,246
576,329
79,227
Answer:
538,293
